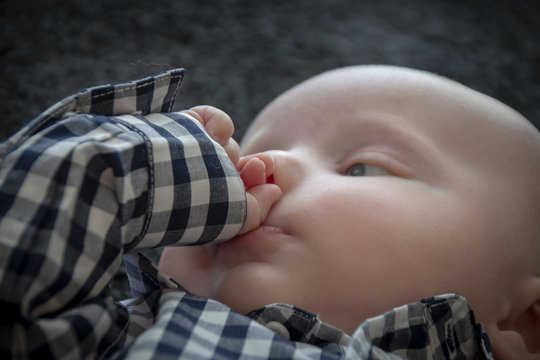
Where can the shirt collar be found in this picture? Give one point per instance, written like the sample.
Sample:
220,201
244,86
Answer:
442,325
296,324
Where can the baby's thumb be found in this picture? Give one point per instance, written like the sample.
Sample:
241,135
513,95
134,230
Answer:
260,200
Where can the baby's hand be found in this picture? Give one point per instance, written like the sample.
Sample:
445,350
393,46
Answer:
219,126
254,171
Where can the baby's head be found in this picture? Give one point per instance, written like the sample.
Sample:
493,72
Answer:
398,185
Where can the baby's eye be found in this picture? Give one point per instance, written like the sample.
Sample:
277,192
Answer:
365,170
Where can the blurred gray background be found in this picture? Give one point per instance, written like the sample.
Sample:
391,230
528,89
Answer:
241,54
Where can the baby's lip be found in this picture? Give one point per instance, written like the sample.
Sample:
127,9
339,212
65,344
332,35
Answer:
213,248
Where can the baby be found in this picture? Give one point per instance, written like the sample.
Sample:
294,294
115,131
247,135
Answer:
446,201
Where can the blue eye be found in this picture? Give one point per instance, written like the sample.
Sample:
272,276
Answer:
365,170
356,170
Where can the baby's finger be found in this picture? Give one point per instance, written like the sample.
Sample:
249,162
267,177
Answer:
264,157
253,172
260,200
233,150
216,122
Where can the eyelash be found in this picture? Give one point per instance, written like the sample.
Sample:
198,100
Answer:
378,163
367,170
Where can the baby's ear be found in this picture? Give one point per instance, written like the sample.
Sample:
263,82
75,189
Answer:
520,331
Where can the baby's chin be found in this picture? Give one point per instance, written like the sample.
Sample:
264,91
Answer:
189,266
244,287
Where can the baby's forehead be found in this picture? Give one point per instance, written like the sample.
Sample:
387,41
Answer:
412,98
385,88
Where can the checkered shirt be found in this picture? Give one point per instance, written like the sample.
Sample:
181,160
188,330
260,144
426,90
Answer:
111,170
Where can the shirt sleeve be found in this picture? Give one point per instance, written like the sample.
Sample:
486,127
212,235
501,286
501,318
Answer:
80,193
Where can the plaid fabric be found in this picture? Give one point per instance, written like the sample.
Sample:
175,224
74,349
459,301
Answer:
110,171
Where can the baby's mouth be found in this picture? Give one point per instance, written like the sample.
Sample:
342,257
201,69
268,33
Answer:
213,249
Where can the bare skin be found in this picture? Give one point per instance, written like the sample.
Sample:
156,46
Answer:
397,185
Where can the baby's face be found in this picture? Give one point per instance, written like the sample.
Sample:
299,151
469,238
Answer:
398,185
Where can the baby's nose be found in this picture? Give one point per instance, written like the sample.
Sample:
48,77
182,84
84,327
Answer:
289,170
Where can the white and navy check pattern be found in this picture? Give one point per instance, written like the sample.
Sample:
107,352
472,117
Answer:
111,170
